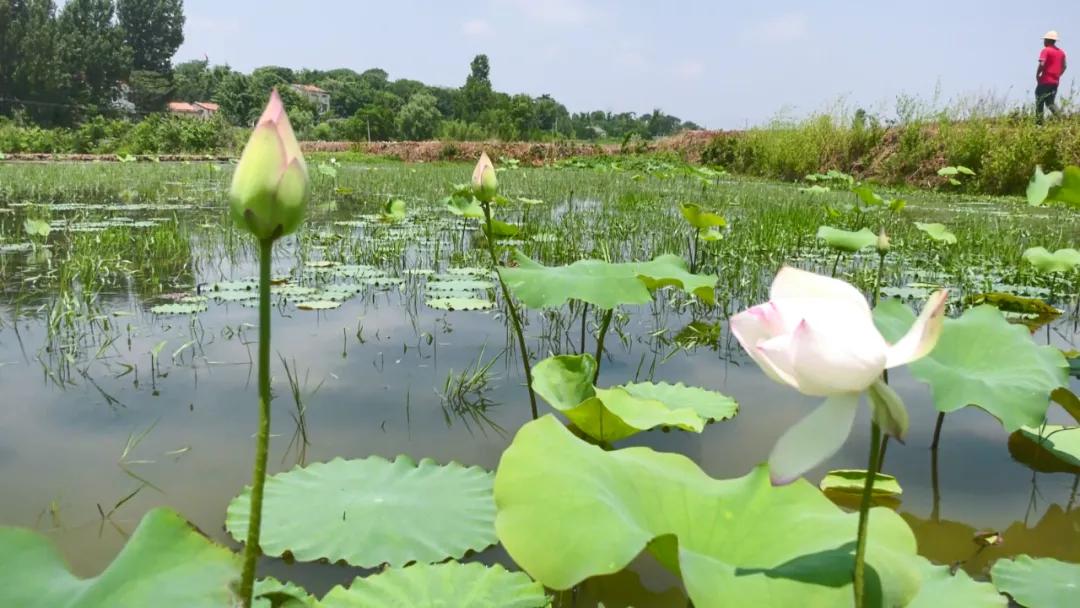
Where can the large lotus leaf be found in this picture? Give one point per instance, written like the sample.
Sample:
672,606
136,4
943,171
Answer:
565,382
372,511
700,218
440,586
272,593
568,510
465,206
941,588
603,284
1067,190
1062,260
1040,185
938,232
845,240
983,360
166,563
1061,441
1038,583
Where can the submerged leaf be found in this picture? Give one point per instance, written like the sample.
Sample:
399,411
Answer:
568,511
372,511
166,563
844,240
983,360
439,586
603,284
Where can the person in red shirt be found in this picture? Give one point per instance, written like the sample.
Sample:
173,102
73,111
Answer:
1048,76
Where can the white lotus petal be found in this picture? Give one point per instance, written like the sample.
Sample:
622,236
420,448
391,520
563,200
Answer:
923,335
813,439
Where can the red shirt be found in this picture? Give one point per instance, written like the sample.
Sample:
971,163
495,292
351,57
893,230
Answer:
1053,62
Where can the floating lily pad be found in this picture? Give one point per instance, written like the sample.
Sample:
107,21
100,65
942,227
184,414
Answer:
15,247
292,291
320,264
460,304
179,308
983,360
235,286
434,586
568,511
470,271
318,305
459,285
1062,442
165,563
372,511
853,480
272,593
603,284
942,588
1037,583
938,232
845,240
565,382
235,296
357,271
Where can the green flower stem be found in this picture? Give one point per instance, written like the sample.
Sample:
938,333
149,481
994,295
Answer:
512,309
262,446
937,431
836,263
864,516
604,324
885,374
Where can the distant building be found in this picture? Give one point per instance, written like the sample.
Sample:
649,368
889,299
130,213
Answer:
315,95
122,102
199,109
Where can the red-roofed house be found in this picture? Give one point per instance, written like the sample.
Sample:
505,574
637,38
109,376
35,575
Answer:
315,95
198,109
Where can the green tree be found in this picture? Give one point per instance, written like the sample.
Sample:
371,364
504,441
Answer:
419,118
154,29
30,67
476,94
149,90
93,54
376,120
239,103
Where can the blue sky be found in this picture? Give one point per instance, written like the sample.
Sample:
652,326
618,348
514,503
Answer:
722,64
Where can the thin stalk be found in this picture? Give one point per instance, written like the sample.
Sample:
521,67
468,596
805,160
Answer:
512,309
262,446
836,263
864,516
584,318
600,341
937,430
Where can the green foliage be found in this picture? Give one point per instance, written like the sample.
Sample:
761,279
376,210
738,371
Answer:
846,240
402,510
430,586
419,118
851,481
1061,442
1062,260
153,29
165,563
1037,583
938,232
568,511
941,586
983,360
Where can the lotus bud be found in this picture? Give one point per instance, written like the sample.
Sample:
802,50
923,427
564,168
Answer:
484,183
883,243
270,185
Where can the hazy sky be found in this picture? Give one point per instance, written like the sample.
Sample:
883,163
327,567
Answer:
722,64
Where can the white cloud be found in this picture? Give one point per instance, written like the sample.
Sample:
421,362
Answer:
690,70
788,27
556,12
476,28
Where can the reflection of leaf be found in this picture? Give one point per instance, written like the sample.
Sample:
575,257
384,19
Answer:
1060,441
603,284
568,511
983,360
402,511
1037,583
1028,450
699,333
845,240
618,412
165,563
470,585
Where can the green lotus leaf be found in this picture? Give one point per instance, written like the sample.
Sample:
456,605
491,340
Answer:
459,285
983,360
853,480
867,195
568,510
700,218
179,308
611,414
1067,190
1037,583
940,588
34,227
459,303
502,230
318,305
603,284
393,210
844,240
815,189
1039,187
464,206
1062,260
938,232
372,511
1062,442
272,593
440,586
166,563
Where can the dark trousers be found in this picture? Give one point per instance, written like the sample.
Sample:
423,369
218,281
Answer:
1045,94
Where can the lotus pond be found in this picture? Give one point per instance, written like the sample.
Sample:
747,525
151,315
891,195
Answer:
128,334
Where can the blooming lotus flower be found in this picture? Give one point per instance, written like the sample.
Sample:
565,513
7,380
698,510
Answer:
817,335
270,185
484,183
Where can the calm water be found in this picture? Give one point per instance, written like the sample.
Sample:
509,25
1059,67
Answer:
73,399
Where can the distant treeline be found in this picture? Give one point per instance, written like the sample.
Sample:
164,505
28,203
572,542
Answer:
112,59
